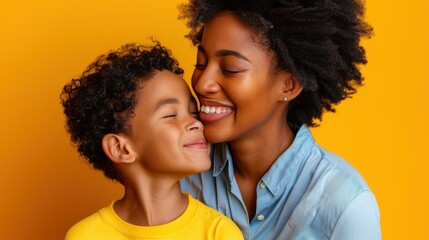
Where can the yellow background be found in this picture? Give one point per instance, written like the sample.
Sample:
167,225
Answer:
45,187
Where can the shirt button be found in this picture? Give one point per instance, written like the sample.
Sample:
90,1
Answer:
260,217
263,185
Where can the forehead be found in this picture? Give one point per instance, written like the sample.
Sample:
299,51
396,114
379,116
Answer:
226,31
226,26
164,84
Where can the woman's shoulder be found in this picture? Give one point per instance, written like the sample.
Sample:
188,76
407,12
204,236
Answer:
334,182
333,168
336,190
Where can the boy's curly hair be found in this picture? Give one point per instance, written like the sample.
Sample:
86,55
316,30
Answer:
317,41
102,100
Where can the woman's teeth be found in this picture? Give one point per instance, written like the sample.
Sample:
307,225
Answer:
214,110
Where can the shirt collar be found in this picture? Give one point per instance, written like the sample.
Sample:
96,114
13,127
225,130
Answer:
284,167
220,155
280,172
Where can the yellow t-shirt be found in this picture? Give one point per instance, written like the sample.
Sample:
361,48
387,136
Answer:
197,222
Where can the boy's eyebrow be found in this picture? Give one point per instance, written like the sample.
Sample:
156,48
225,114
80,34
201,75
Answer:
166,101
226,52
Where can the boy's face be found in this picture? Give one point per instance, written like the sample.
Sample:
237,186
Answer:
165,135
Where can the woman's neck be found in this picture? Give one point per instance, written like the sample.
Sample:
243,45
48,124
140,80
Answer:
151,203
254,155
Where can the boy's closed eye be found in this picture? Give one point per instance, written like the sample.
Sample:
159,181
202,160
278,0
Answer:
170,116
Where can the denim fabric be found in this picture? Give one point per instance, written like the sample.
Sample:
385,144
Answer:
308,193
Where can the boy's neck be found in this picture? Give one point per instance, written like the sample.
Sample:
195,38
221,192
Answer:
151,205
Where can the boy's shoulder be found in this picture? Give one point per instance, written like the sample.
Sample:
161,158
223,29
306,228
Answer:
198,220
90,228
214,222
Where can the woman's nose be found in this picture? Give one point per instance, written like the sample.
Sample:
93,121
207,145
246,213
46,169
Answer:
204,82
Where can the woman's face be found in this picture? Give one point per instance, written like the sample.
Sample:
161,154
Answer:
238,92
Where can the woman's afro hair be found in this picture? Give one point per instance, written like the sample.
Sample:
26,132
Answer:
317,41
102,100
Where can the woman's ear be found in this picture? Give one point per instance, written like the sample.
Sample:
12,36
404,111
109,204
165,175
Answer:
118,148
291,87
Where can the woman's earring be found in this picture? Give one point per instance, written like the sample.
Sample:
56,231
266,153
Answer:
285,99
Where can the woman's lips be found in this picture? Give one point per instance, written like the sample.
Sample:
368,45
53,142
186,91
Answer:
214,113
215,109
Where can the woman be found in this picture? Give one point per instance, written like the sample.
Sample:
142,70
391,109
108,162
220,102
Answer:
265,71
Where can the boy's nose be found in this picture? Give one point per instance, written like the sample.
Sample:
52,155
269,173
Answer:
195,126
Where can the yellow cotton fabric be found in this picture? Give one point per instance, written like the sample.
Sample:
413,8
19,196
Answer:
197,222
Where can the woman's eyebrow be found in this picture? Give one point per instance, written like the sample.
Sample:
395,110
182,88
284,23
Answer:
226,52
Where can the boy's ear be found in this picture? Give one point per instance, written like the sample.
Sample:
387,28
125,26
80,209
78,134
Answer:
117,148
291,87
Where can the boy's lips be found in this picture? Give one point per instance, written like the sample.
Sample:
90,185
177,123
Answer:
199,143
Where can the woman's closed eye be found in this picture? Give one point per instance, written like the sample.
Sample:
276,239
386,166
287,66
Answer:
200,66
232,71
233,67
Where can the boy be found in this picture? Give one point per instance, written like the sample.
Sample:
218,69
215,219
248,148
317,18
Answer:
133,117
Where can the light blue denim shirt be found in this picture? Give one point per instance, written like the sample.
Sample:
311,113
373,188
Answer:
308,193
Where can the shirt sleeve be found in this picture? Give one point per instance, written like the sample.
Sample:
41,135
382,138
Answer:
360,220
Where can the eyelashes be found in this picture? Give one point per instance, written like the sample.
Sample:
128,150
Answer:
231,70
170,116
194,114
200,66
